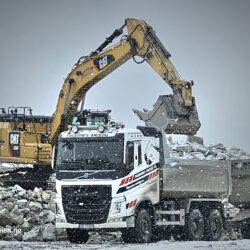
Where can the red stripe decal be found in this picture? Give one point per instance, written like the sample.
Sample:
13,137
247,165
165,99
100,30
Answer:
122,182
134,203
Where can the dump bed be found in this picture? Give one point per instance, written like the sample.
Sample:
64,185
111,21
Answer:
207,179
196,179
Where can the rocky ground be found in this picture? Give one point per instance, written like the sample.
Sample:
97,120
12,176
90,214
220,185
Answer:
27,215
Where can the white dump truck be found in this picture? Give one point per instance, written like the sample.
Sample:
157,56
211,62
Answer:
117,179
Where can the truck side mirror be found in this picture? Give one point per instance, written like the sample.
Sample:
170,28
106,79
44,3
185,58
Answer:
54,156
130,155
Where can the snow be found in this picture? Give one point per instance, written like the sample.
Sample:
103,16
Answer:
7,167
167,245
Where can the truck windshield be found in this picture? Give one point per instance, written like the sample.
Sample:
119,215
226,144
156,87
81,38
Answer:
89,154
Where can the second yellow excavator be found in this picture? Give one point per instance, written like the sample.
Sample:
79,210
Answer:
25,138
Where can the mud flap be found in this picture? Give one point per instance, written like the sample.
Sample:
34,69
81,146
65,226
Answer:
170,115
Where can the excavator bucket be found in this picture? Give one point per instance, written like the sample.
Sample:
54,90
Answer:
168,114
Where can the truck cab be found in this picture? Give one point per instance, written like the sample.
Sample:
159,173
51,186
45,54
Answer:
103,174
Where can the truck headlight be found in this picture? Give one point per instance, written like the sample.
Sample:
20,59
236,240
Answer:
117,208
74,129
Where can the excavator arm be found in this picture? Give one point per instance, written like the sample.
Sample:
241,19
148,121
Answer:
174,113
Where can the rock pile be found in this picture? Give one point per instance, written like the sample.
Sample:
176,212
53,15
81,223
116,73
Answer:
27,215
193,148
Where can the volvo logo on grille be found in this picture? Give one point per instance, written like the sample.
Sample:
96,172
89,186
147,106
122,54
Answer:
86,175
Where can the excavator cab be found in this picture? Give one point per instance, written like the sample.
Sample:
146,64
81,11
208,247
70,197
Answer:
170,115
89,117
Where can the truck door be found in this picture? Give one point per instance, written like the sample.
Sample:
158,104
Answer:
134,157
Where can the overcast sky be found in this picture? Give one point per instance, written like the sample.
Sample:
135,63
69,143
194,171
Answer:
209,42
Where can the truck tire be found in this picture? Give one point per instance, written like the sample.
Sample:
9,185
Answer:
195,225
142,232
77,236
214,226
143,226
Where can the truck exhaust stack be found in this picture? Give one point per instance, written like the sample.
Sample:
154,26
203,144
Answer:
170,115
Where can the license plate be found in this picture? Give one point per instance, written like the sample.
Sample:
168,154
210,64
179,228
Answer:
86,226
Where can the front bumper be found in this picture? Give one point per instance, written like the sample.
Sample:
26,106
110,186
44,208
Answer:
114,225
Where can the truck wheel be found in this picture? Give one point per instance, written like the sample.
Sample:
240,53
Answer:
246,232
214,226
142,232
77,236
195,225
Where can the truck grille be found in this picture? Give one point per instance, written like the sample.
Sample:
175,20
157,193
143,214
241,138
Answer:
86,204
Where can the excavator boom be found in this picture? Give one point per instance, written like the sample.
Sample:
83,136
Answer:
140,41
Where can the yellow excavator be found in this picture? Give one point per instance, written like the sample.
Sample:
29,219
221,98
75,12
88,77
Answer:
27,139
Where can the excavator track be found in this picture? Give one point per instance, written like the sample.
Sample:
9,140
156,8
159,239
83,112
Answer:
28,178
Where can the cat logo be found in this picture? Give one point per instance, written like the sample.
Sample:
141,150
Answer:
14,143
103,61
14,138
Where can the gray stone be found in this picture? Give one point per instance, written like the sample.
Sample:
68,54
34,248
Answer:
199,148
198,155
5,217
219,146
43,214
17,219
51,217
196,139
35,206
9,236
60,232
18,189
8,205
220,157
184,148
51,205
23,203
211,152
49,233
26,226
210,157
33,219
22,194
33,235
18,237
46,196
16,211
25,211
4,195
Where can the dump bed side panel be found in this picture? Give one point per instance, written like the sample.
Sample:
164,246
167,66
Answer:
196,179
